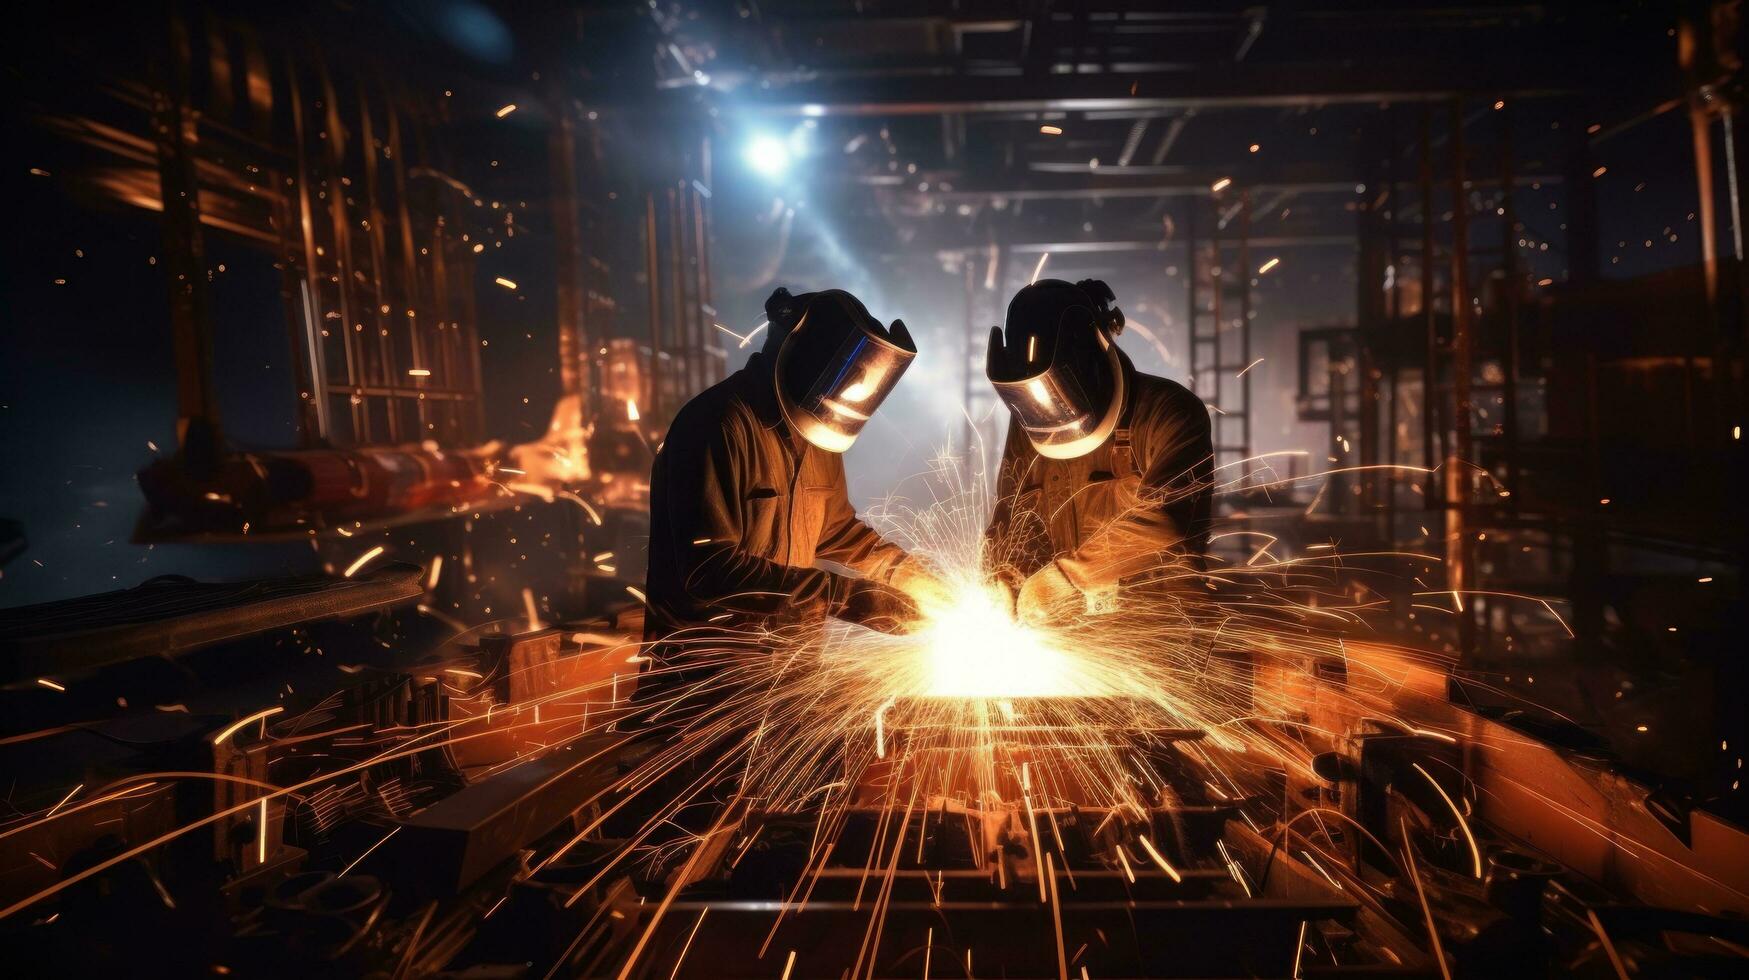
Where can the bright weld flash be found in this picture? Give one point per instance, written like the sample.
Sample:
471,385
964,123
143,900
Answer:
971,647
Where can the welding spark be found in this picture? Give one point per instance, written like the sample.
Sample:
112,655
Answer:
367,852
506,110
1464,825
244,722
742,342
1299,948
74,792
51,685
975,713
361,561
1039,270
506,283
1160,859
528,606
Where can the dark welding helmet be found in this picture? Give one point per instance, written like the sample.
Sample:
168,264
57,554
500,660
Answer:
834,365
1057,369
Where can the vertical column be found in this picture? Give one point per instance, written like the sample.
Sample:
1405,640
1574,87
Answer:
1511,288
1430,397
185,256
1460,575
653,270
1244,361
568,253
680,312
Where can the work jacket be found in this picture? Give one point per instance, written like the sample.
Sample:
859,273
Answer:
741,509
1137,504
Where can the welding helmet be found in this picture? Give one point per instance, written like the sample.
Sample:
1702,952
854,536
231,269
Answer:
834,363
1058,369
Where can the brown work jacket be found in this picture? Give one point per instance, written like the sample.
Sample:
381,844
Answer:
1140,500
741,509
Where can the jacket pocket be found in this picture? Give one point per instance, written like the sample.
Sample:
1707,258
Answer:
762,522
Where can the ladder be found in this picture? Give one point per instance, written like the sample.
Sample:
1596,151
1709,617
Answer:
1218,295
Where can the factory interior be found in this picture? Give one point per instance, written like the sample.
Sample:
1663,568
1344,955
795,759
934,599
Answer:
344,391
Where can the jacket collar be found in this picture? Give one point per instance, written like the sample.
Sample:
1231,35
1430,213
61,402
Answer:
1129,389
759,386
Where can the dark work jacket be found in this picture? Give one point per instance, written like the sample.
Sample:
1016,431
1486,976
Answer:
1120,510
741,508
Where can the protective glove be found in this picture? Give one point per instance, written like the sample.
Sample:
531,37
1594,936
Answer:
916,579
876,606
1049,597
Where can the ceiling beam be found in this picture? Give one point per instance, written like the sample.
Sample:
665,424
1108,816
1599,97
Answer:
1208,87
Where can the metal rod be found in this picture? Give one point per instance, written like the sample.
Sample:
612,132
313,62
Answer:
357,370
568,250
1509,298
416,326
381,310
1245,329
653,267
1430,364
1460,574
685,353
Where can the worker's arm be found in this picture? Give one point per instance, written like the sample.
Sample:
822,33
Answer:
710,472
845,539
1001,546
1171,519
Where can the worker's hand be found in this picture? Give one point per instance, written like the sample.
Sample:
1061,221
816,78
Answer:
1005,584
878,607
1049,597
918,580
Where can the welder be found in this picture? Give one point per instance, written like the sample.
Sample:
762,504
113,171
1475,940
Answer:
748,493
1106,474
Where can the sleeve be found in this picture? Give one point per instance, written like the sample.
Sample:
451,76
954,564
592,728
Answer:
846,540
706,533
1172,516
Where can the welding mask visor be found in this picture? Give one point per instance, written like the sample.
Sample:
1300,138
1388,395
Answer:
1062,381
835,368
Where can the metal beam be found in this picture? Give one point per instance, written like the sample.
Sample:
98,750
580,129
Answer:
1213,86
1276,241
1187,187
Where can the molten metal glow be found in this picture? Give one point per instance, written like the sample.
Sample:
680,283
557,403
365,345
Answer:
974,648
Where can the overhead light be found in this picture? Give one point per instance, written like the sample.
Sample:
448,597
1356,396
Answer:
767,155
